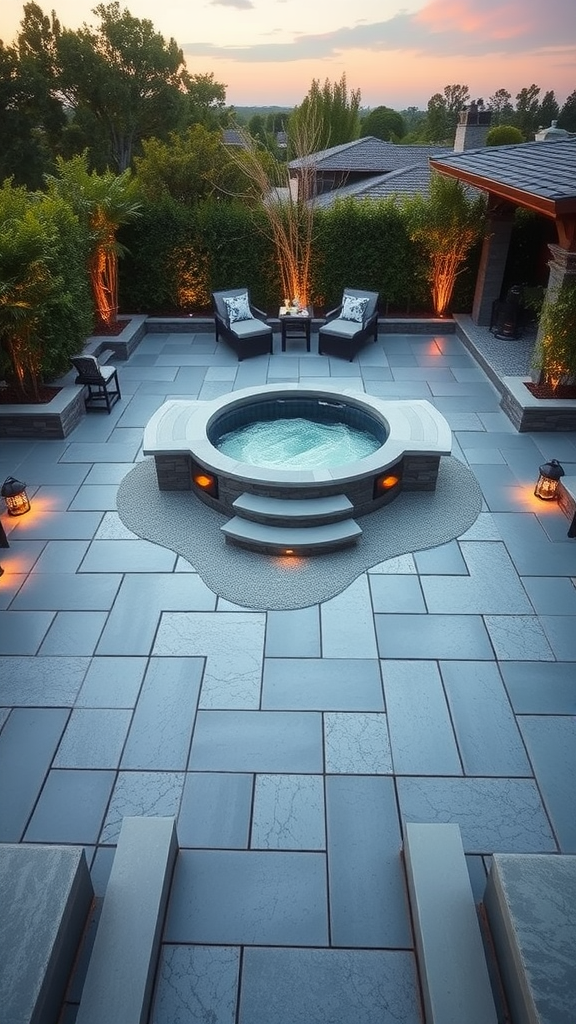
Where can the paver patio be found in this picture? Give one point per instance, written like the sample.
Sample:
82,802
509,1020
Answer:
292,745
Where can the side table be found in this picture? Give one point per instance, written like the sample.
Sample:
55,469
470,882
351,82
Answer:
295,325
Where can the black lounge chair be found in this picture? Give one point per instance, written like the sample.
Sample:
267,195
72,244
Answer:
101,382
241,324
351,325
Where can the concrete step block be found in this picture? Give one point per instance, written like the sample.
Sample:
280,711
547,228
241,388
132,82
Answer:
120,976
291,539
530,903
453,969
296,511
45,897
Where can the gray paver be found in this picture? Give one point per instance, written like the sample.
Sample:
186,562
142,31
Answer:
493,814
71,807
27,745
192,979
551,743
421,732
288,813
253,898
368,905
322,684
161,729
488,737
365,986
215,810
252,741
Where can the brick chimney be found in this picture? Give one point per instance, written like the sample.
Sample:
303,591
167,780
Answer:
473,128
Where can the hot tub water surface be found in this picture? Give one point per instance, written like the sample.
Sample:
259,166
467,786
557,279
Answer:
298,434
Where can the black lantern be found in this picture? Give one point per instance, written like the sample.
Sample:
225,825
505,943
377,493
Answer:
547,484
14,494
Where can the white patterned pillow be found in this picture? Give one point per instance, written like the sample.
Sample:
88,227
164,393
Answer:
353,309
238,308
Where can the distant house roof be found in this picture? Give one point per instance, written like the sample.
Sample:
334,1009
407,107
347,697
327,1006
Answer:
535,175
368,154
232,137
407,181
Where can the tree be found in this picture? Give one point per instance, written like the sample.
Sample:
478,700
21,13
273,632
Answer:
383,123
504,135
102,202
567,116
436,125
548,110
457,97
500,106
328,107
132,81
189,167
206,100
446,224
527,107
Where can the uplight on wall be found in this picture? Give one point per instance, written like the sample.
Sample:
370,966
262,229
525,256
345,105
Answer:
547,483
14,494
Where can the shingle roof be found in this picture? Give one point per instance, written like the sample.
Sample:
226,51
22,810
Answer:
369,154
406,181
538,175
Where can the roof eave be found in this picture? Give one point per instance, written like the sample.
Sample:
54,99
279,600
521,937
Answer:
529,200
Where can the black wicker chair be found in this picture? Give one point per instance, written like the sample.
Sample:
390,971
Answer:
249,336
344,337
101,382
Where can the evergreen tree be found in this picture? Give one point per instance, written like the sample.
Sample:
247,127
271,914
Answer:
500,106
567,116
527,111
332,109
549,110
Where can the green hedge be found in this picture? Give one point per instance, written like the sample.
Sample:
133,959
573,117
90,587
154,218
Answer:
177,255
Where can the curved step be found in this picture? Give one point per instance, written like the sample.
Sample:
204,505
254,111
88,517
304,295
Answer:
296,511
289,539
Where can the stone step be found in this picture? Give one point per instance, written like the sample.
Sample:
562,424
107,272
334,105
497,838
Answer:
529,902
120,975
45,897
296,511
291,539
455,979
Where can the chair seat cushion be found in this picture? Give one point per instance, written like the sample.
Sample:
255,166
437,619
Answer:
341,328
251,328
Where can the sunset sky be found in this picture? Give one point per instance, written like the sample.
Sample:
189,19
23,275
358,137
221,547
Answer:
397,52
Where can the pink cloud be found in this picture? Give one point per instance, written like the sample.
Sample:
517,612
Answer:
503,21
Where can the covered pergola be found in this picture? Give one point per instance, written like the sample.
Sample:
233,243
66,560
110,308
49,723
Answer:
538,176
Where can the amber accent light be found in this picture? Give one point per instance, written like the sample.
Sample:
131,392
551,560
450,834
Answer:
547,483
14,494
206,482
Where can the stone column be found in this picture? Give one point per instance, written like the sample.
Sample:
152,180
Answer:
492,263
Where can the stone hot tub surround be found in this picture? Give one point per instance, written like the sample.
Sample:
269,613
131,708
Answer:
414,436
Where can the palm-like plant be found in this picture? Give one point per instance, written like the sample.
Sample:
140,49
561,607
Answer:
103,202
27,282
446,224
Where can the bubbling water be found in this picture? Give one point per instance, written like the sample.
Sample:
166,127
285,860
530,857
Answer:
297,443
